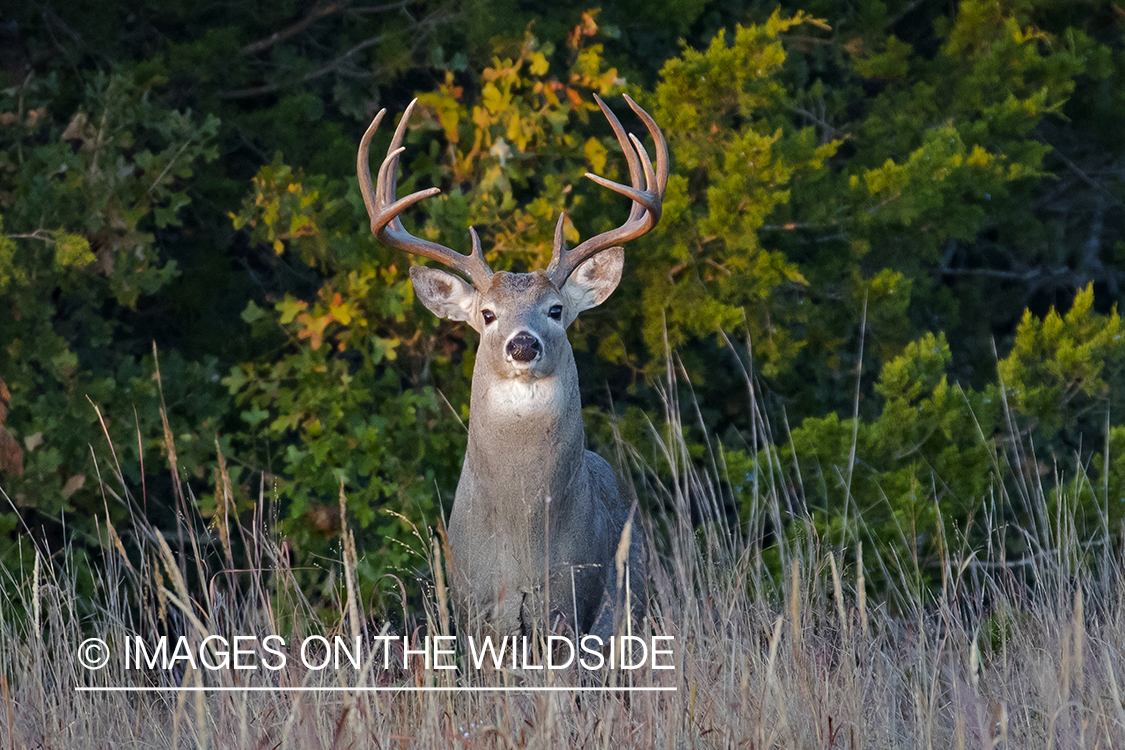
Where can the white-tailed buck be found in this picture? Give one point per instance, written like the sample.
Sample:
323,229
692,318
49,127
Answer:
537,518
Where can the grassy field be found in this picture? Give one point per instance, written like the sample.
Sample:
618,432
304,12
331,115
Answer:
783,647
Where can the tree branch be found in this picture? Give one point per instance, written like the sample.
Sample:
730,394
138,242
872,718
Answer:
1085,177
322,10
830,131
1043,276
317,13
324,70
421,30
900,15
400,5
789,227
38,234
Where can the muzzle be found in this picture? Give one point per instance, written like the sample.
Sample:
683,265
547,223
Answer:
523,347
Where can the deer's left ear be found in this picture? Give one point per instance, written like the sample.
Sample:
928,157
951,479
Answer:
593,281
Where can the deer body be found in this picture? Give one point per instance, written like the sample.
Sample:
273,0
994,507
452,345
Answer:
537,519
535,512
502,524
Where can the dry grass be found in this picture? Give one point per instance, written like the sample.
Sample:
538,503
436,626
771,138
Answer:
793,654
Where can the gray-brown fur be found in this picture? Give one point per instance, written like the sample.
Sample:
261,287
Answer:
526,445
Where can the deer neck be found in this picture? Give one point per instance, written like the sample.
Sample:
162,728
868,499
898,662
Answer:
526,440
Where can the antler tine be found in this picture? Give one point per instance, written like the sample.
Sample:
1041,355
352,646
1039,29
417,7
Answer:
658,142
626,148
384,210
650,175
560,239
362,167
478,266
646,192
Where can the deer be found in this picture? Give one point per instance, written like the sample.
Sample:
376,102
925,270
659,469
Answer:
539,523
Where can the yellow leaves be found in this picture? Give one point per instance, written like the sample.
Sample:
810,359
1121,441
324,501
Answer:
979,157
794,276
885,283
493,100
587,72
779,25
890,177
943,185
385,349
72,250
519,119
448,110
595,154
279,196
521,131
313,325
570,232
539,65
824,152
284,210
11,271
340,310
301,225
289,307
549,91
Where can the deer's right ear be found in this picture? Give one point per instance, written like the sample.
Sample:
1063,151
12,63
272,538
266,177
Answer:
443,294
593,281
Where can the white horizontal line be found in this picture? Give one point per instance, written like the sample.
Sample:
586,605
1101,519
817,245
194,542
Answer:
373,689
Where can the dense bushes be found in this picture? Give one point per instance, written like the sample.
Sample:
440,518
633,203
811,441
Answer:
865,190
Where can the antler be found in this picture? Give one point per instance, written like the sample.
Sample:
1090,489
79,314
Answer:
647,196
384,210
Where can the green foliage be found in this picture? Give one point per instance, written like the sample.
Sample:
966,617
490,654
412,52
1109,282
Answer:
331,410
933,446
1057,367
734,163
283,210
83,193
931,180
926,450
1112,475
942,183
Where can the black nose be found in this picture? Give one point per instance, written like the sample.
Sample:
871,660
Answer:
524,347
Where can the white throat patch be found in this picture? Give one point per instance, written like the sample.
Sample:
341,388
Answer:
518,397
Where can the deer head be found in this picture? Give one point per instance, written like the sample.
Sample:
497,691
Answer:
522,318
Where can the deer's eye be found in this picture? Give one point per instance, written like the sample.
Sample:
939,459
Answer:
555,313
489,316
